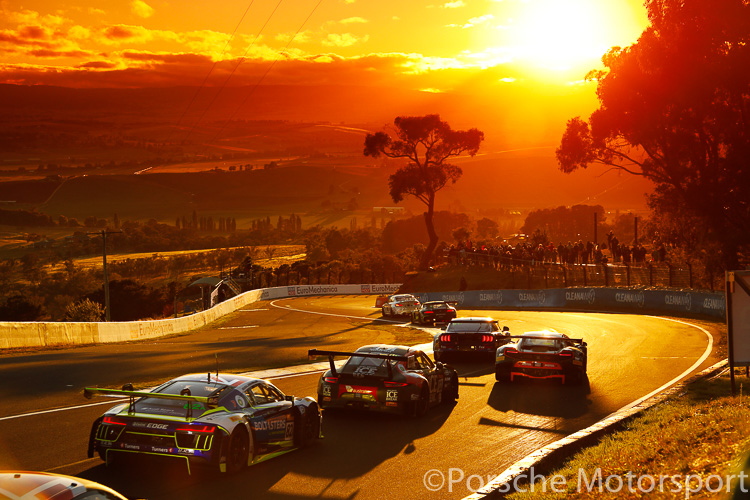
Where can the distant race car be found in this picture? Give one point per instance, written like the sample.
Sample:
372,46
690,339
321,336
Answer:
402,304
224,421
542,355
394,379
48,486
434,311
470,336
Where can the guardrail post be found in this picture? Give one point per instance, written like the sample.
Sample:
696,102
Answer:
584,276
650,274
606,279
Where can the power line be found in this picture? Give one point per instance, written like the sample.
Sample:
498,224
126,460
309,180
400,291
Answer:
203,83
254,87
226,81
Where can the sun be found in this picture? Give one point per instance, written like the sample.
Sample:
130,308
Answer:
562,35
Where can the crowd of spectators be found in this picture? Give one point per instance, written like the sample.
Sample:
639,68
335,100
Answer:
580,252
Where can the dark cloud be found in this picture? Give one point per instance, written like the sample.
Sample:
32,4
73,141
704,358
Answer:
181,58
119,33
58,53
97,65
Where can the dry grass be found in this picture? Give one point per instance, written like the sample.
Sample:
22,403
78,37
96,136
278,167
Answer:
704,433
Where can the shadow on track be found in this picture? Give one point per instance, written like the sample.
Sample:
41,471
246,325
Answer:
355,443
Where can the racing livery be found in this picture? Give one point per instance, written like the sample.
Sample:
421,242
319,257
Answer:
470,336
542,355
24,485
434,311
224,421
388,378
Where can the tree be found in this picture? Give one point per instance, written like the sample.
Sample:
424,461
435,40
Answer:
84,310
427,142
675,108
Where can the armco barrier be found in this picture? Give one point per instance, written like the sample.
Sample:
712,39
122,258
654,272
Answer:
710,305
48,334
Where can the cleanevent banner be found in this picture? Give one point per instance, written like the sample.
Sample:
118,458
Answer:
301,290
598,299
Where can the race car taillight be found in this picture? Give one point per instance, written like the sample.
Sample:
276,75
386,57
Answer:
331,380
113,421
446,337
202,428
110,429
487,338
388,383
198,437
566,354
509,351
429,312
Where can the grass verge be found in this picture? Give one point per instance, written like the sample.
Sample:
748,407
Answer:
687,447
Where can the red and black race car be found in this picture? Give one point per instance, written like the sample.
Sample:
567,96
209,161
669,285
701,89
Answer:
388,378
542,355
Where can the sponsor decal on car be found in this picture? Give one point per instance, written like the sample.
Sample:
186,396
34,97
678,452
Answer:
391,395
326,390
270,425
150,425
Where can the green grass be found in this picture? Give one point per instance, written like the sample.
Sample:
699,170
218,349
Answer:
705,432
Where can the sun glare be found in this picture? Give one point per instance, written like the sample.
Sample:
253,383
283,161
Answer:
561,34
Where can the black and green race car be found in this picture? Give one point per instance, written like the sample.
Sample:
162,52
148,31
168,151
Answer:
224,421
542,355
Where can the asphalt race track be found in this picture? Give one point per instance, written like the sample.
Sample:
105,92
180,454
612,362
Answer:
363,456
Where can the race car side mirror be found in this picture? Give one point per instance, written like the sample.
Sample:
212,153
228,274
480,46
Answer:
289,398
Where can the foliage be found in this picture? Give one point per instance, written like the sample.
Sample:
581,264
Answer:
427,142
20,308
674,109
84,310
130,300
401,234
563,224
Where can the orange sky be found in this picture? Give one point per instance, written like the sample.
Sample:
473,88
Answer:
416,44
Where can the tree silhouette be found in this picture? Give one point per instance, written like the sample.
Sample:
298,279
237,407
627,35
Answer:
675,108
427,142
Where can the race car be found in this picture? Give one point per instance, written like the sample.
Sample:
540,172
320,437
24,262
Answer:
402,304
542,355
47,486
471,336
387,378
223,421
432,312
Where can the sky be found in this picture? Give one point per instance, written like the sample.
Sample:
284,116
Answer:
424,45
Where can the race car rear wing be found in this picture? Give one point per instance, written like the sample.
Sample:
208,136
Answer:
312,354
542,337
211,402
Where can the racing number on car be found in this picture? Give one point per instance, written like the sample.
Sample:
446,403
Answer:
289,436
363,371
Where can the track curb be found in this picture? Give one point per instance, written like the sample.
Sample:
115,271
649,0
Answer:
544,460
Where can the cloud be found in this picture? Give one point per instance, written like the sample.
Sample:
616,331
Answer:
58,53
343,40
141,8
454,5
95,11
353,20
97,65
473,22
166,57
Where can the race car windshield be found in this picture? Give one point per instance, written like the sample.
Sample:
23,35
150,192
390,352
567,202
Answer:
201,389
540,344
466,327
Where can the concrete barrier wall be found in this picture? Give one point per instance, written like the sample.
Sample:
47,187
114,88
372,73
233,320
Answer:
48,334
710,305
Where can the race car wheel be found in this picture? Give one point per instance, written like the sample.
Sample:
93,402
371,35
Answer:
450,390
575,378
307,428
239,451
385,313
502,375
420,405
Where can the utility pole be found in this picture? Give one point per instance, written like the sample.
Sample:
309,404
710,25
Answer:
635,228
595,238
104,233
